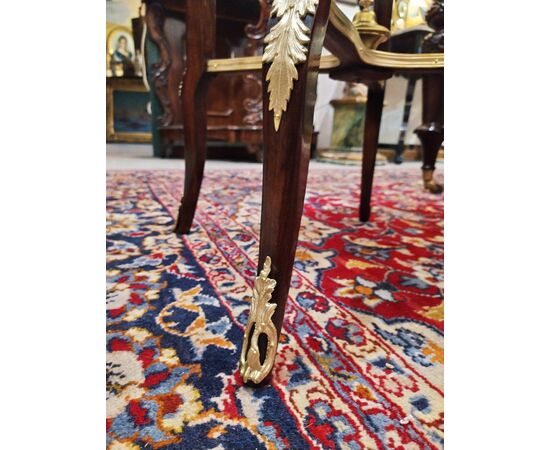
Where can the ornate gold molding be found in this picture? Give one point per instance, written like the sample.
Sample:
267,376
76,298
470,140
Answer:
286,47
380,58
342,23
328,62
254,64
260,318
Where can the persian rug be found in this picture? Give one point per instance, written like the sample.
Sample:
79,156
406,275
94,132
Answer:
360,360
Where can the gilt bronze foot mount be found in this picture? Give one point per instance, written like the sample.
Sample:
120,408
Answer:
256,363
429,182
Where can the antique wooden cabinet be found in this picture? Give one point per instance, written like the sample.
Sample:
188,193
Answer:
234,100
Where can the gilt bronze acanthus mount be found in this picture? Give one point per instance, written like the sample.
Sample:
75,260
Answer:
286,46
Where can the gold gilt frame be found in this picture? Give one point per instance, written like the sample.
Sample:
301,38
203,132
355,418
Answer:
123,84
112,31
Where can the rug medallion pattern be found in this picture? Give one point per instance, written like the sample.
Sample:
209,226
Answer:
360,361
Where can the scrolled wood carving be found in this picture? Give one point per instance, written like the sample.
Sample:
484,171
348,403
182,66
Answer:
155,18
255,33
253,105
434,42
258,30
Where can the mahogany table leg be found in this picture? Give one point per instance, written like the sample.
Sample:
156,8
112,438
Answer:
285,167
409,96
430,132
373,117
200,46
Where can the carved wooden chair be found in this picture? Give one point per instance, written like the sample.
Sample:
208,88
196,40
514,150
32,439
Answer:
298,30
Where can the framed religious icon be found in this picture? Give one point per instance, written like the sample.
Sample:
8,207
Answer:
121,52
128,111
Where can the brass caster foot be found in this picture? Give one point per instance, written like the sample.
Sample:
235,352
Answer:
430,184
250,365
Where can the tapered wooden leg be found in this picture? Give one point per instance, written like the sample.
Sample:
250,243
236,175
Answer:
373,117
411,84
430,132
286,159
200,45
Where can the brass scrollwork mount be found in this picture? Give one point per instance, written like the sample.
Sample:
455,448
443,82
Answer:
252,368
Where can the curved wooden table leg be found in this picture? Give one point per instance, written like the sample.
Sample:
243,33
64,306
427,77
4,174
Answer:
409,96
430,132
286,160
200,46
373,118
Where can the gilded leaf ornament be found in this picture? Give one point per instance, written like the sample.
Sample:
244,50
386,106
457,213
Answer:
286,47
251,368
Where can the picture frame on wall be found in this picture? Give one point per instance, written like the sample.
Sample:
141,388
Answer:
128,111
121,52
